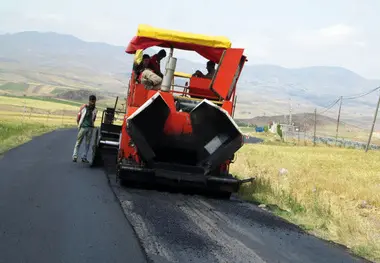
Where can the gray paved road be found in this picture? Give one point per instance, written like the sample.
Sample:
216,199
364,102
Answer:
52,210
251,139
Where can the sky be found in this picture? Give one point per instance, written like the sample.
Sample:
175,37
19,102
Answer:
292,33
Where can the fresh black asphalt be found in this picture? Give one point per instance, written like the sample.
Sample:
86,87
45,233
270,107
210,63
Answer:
53,210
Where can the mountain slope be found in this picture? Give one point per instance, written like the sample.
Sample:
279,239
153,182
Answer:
52,61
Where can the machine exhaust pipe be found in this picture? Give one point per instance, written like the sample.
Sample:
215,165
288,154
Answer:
169,73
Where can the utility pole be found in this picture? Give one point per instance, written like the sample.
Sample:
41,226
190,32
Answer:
299,135
373,125
304,132
290,111
337,123
315,125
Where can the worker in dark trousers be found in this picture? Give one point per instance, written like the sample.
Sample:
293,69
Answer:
85,119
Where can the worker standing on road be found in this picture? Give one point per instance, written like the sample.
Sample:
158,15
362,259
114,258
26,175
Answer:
85,119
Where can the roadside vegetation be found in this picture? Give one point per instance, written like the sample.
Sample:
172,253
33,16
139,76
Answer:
333,193
22,118
14,134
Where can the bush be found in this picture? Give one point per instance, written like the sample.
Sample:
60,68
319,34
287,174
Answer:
279,131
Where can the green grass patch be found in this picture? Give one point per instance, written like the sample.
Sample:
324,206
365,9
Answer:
47,99
246,129
12,86
57,91
13,134
100,105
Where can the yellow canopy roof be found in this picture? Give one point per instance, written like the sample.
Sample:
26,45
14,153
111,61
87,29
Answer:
183,37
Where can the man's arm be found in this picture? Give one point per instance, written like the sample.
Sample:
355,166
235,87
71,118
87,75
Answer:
137,67
94,117
80,113
157,71
198,74
155,66
209,75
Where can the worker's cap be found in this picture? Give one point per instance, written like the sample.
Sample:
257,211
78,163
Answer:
92,98
162,53
210,63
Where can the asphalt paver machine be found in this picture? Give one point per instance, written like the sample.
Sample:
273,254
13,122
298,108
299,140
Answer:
180,134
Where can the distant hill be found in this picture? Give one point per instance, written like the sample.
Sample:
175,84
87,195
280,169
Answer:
315,84
62,61
77,95
51,63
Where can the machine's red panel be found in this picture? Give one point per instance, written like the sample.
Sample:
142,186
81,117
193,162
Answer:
131,110
227,105
168,98
200,88
125,147
227,71
140,95
178,123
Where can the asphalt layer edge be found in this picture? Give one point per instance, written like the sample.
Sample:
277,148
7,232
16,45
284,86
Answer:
304,232
125,215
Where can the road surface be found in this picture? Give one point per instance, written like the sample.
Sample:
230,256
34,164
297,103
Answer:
52,210
252,140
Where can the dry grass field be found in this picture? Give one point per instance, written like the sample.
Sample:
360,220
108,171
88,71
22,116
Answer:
333,193
23,118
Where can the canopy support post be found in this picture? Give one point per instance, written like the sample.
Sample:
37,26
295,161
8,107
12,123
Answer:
169,71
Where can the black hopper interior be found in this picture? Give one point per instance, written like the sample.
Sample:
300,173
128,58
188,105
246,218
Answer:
217,134
146,126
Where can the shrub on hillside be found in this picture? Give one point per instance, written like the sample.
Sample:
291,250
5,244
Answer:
279,131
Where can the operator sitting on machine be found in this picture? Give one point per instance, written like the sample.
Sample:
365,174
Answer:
151,77
141,66
210,71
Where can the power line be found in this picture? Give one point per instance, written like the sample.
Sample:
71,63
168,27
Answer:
361,95
348,98
331,106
